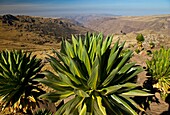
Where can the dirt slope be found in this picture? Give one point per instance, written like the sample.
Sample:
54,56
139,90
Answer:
129,24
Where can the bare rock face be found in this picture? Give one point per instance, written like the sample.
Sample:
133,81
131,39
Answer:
9,19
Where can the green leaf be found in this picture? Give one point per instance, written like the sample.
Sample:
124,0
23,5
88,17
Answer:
63,108
133,72
112,89
66,80
126,67
137,93
72,78
75,44
109,106
75,69
124,60
53,83
101,107
70,50
4,67
63,48
106,44
133,103
86,60
81,93
93,49
61,56
112,60
54,96
124,70
125,105
98,49
110,77
50,75
80,46
83,110
94,78
57,66
74,105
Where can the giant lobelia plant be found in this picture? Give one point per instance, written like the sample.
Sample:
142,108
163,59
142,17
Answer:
159,70
18,91
98,78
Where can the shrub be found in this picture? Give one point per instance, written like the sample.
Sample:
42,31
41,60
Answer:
137,51
140,38
152,45
17,72
99,78
159,70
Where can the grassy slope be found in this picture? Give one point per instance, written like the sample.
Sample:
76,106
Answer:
42,34
10,39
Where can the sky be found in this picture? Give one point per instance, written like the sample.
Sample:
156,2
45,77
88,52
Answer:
52,8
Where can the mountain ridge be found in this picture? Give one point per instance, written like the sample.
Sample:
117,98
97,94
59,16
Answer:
36,30
129,24
42,33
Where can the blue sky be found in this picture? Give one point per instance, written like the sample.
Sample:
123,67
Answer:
51,8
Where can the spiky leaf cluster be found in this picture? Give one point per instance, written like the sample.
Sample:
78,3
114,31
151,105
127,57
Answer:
97,75
18,69
159,70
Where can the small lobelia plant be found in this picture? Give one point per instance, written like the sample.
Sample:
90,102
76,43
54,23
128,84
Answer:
18,91
140,39
152,45
99,77
159,70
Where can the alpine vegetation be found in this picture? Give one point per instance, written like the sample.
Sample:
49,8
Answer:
98,77
18,90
